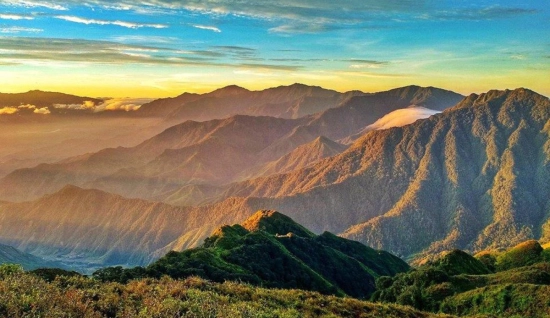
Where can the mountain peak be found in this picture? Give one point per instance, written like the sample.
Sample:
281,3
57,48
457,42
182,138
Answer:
229,90
518,96
274,223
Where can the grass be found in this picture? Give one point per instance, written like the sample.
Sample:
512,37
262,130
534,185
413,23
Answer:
28,295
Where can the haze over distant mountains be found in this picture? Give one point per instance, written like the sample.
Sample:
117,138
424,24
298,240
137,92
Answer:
472,177
188,153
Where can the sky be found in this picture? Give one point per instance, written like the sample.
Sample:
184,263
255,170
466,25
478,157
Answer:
161,48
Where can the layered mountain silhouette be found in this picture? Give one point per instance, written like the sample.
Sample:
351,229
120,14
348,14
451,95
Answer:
272,250
215,152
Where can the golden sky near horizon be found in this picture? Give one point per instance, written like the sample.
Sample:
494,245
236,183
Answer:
164,48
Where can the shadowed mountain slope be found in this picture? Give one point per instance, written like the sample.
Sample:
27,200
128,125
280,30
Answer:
11,255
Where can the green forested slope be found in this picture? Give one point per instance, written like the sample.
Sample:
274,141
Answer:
460,284
271,250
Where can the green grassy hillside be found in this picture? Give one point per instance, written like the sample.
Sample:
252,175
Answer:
271,250
518,285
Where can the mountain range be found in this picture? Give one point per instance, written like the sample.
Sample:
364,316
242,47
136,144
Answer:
471,177
294,101
189,153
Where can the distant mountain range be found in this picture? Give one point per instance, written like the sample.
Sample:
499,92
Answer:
216,152
43,99
292,101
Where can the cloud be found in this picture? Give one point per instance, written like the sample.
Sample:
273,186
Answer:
27,106
15,30
145,39
87,105
299,28
206,27
130,25
305,16
518,56
42,111
401,117
125,104
25,50
271,67
52,5
8,110
238,52
113,104
477,14
15,17
368,64
48,51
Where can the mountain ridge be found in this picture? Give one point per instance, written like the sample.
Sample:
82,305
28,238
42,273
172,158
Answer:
257,252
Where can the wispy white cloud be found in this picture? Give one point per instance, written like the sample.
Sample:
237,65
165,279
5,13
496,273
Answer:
15,17
401,117
126,24
206,27
52,5
69,52
15,30
477,14
145,39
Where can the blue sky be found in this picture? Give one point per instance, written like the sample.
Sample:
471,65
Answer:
161,48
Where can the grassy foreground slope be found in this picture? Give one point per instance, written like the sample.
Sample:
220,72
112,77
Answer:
27,295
